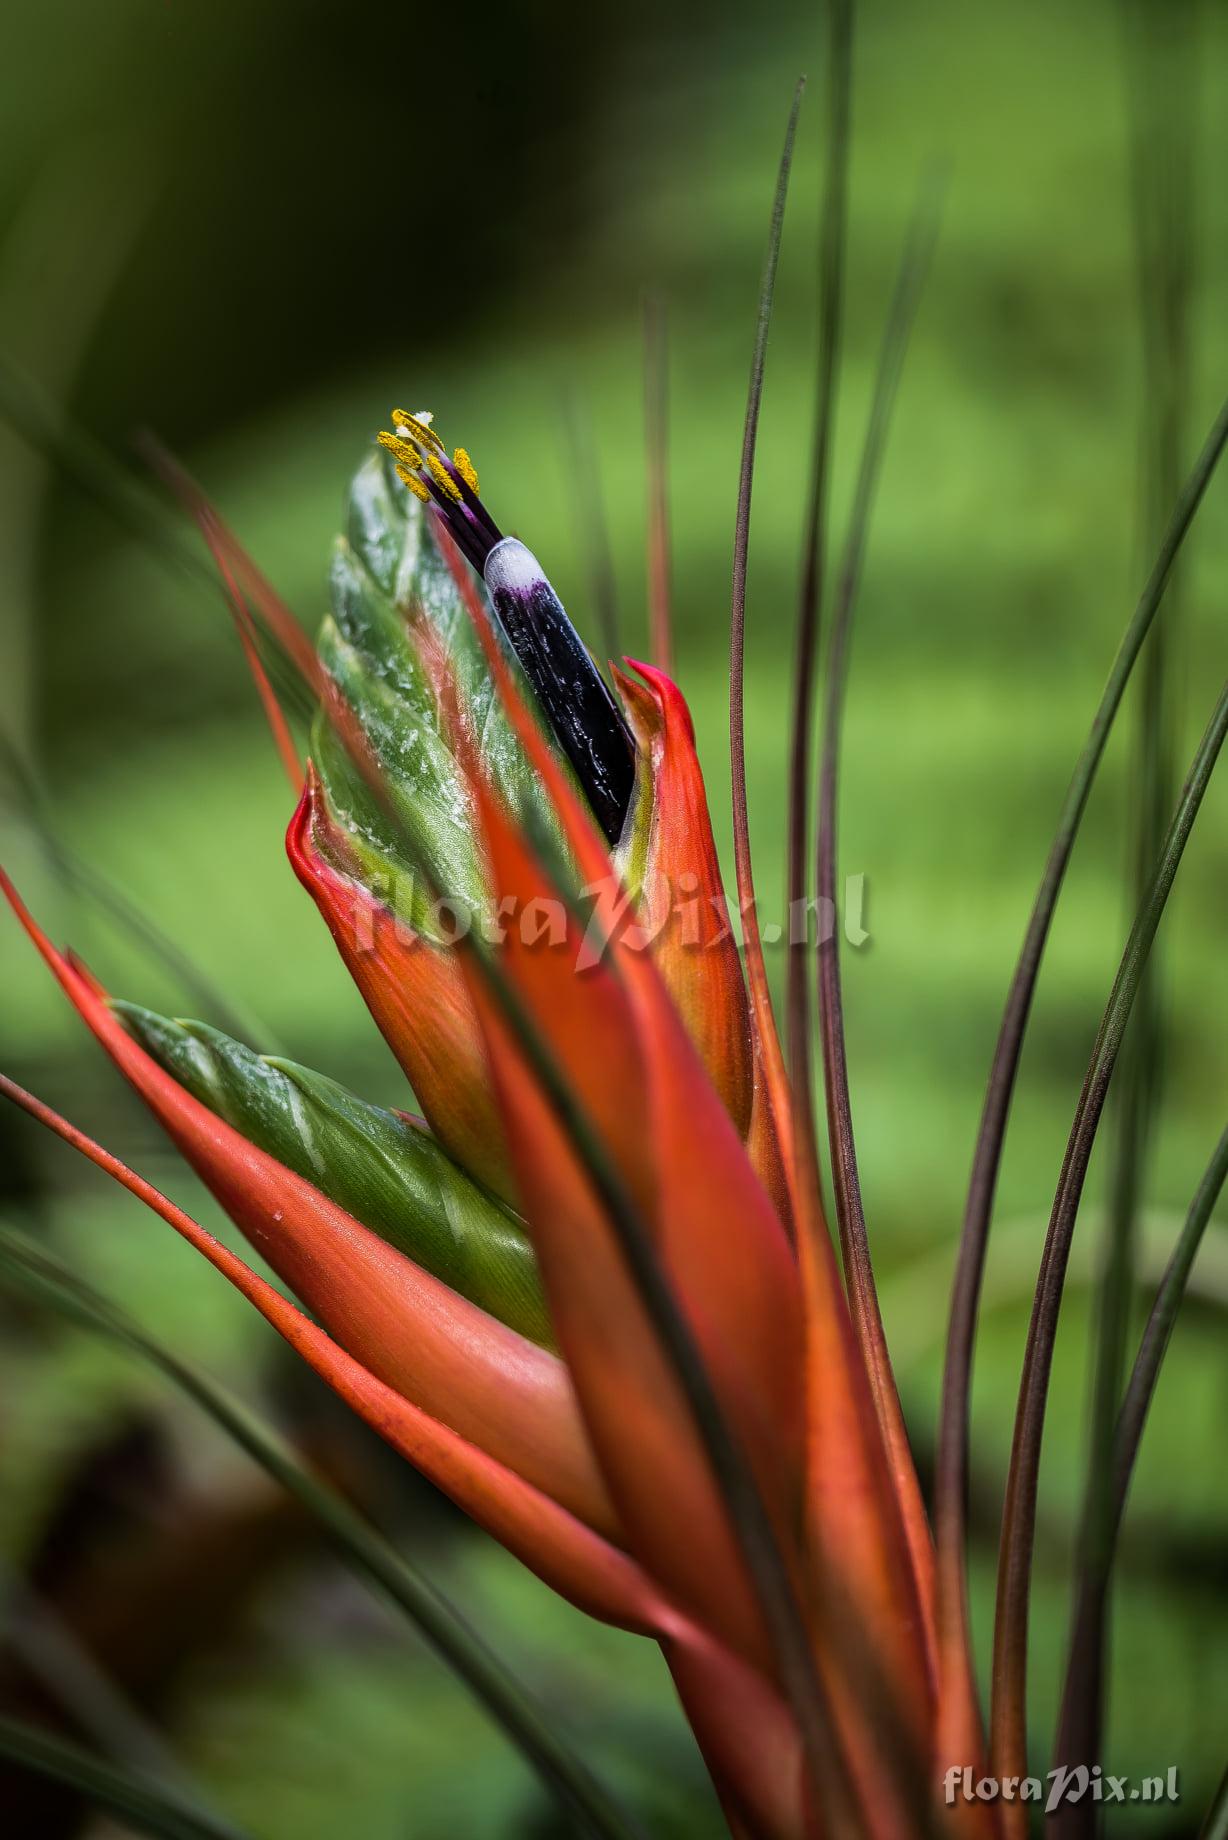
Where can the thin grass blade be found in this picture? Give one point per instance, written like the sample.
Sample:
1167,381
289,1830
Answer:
1160,45
249,638
585,477
132,923
140,1804
850,1212
656,433
362,1547
122,496
800,1163
767,1037
97,475
1215,1826
51,1653
1162,1320
1082,1686
951,1469
1008,1721
832,242
289,648
772,1581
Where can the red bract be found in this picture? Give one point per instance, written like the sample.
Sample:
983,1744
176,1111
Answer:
415,991
594,1068
694,948
492,1386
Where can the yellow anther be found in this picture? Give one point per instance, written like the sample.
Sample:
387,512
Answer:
440,474
414,483
418,428
399,449
416,445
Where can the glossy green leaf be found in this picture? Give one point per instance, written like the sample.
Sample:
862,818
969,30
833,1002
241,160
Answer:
413,837
387,1172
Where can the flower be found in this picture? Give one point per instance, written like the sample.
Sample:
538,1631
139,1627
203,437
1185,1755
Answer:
573,695
520,874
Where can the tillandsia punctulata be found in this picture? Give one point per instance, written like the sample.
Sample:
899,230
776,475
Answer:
586,721
588,1288
467,1288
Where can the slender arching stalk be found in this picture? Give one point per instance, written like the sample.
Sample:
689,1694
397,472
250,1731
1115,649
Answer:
951,1469
767,1036
1160,61
1216,1825
832,243
850,1213
142,1805
1008,1733
656,430
358,1543
591,517
1081,1695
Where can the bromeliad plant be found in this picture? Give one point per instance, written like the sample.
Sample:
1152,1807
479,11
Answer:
590,1291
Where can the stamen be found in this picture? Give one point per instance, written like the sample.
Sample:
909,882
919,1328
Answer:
465,467
574,697
418,427
422,462
404,451
442,477
414,483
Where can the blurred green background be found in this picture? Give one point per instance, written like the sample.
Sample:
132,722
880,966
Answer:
252,228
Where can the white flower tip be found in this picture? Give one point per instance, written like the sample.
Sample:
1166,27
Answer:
513,567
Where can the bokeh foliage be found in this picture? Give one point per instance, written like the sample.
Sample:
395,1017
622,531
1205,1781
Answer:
252,228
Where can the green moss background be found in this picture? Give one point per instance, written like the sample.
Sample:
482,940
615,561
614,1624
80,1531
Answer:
253,228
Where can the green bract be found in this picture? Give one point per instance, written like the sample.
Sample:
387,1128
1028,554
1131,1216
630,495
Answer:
414,837
387,1172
